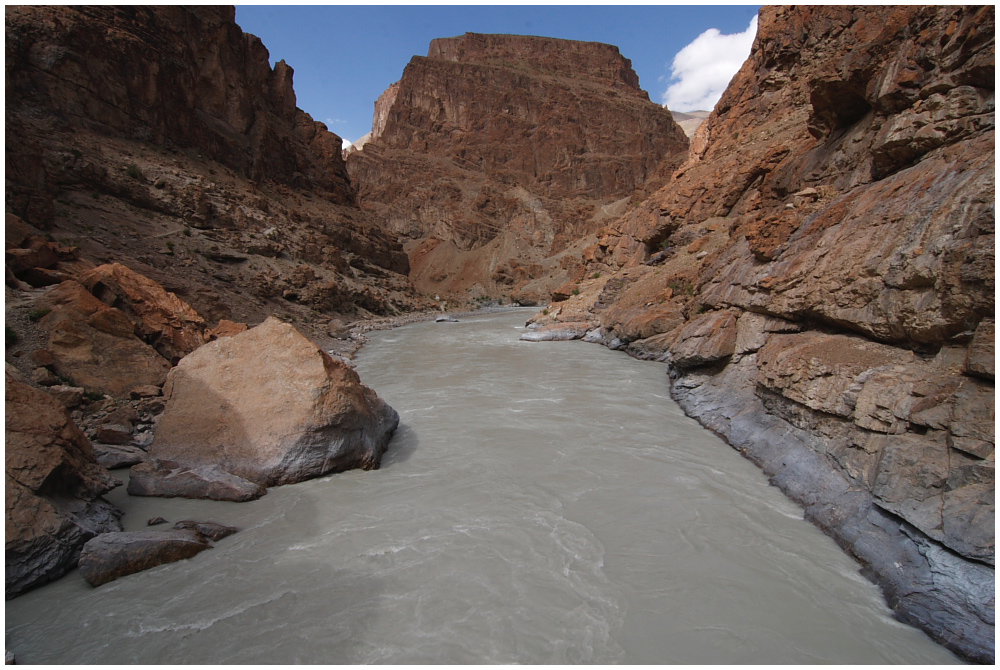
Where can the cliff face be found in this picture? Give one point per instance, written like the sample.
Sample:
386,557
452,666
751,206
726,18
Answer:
819,275
495,151
161,138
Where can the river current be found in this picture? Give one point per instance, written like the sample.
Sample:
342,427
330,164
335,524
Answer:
540,503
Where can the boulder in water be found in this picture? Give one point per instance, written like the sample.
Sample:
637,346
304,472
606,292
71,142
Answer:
112,555
270,407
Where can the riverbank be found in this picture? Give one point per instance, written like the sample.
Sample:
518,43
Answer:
804,454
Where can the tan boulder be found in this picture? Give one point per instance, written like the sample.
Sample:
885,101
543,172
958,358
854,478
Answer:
162,319
53,485
269,406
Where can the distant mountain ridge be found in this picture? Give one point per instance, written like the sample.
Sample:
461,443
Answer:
689,121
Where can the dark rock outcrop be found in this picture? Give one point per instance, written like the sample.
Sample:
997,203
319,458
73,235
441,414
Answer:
112,555
53,489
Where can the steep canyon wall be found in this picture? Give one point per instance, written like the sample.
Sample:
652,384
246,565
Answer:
495,152
819,275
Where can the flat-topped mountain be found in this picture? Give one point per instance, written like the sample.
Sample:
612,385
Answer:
494,152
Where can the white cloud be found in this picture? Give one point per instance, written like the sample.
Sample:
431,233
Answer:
702,70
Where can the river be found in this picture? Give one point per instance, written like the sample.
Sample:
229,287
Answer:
539,503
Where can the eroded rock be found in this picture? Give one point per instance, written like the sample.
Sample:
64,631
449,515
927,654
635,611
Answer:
169,479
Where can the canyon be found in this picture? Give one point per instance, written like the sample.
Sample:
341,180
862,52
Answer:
814,267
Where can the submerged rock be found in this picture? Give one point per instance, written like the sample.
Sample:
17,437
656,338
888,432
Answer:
168,479
52,489
210,529
112,555
446,319
557,332
270,407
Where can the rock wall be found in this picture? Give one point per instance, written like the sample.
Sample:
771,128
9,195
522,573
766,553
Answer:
497,151
162,139
819,275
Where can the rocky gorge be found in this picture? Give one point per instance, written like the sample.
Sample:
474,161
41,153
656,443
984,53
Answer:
815,268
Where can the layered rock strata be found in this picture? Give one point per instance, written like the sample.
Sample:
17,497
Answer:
819,275
495,152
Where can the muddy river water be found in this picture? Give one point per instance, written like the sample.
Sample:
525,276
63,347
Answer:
540,503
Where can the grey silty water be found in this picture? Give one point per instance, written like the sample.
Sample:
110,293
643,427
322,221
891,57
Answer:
540,503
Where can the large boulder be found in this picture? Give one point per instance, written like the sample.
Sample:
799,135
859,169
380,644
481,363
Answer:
53,485
112,555
162,319
269,406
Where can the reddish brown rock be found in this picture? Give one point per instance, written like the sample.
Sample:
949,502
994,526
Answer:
508,148
226,328
844,186
269,406
162,319
94,345
53,487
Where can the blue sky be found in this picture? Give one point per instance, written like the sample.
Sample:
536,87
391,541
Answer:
345,56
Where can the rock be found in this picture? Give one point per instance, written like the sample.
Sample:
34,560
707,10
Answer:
147,391
226,328
43,377
110,556
16,231
823,372
211,530
446,319
114,434
42,357
68,396
168,479
9,658
707,339
481,122
338,329
157,520
121,456
980,360
161,319
92,357
556,332
52,489
269,406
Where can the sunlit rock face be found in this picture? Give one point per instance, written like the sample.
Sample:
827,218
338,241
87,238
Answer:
495,152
